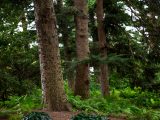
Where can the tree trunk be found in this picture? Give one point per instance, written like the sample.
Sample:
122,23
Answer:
24,27
24,21
51,73
95,48
68,59
103,48
65,31
82,46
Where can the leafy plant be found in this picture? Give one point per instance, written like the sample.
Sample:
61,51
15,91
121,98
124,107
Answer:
37,116
17,106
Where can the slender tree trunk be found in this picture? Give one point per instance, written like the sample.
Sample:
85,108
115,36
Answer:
51,74
95,47
68,59
24,22
103,48
63,28
24,27
68,56
82,45
97,73
152,40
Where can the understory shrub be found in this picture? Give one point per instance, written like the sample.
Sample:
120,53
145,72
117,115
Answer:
16,106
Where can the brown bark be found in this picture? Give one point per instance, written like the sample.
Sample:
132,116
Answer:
82,46
103,48
51,74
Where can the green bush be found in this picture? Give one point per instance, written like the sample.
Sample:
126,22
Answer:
17,106
130,103
147,99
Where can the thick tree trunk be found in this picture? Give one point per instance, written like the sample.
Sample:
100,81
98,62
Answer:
103,48
82,46
51,74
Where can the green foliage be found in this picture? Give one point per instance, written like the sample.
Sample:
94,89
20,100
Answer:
141,98
133,103
37,116
17,106
118,82
146,115
83,116
133,58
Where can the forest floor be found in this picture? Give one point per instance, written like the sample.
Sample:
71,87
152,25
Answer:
68,115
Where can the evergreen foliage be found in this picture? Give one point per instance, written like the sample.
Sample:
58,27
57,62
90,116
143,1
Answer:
132,30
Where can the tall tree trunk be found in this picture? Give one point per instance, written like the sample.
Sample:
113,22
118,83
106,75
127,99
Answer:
95,48
103,48
64,30
51,74
24,21
24,27
152,40
82,46
68,59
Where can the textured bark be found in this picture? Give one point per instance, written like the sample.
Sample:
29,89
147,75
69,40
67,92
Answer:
82,46
103,48
51,74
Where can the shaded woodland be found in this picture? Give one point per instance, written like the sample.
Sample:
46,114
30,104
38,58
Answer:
98,57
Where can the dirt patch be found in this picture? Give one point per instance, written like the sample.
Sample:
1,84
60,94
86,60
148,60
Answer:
62,115
3,118
68,115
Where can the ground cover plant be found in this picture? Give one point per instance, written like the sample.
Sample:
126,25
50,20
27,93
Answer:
37,116
98,57
127,103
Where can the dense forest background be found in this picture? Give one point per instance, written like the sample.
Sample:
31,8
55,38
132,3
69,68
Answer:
129,56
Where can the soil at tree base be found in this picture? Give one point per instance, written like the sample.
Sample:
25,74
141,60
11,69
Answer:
68,115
